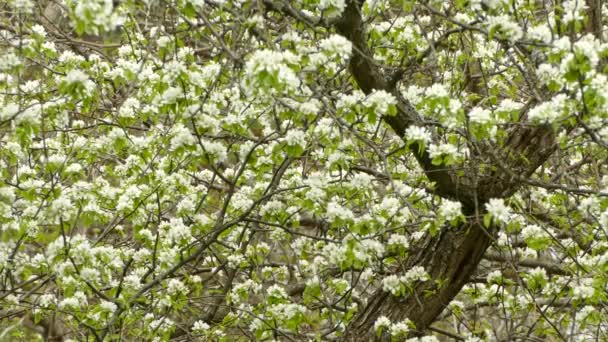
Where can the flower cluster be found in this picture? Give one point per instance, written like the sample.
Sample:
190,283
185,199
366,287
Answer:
397,285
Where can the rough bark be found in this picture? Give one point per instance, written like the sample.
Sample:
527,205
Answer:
452,255
449,258
594,18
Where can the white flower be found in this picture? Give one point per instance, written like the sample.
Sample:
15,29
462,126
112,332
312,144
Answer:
216,149
499,211
382,323
543,113
391,284
547,73
242,200
73,168
107,306
161,325
369,248
533,232
310,107
398,240
494,276
541,32
132,281
399,329
200,327
493,4
589,48
538,272
128,108
126,199
389,205
508,105
176,287
271,207
436,90
416,273
47,300
62,206
7,193
271,63
186,205
480,115
163,41
181,137
184,52
8,111
78,300
76,76
381,100
573,10
562,44
336,211
339,5
171,95
345,101
504,24
49,46
277,291
589,205
39,30
413,94
604,219
175,231
443,149
31,86
295,137
416,133
585,312
68,56
286,311
361,181
69,302
90,274
337,45
450,209
584,289
235,260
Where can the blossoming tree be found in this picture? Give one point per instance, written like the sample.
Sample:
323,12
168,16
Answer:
303,170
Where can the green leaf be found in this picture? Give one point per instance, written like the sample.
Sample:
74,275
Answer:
487,220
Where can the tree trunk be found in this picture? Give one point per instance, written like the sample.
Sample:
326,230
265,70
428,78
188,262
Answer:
594,18
450,258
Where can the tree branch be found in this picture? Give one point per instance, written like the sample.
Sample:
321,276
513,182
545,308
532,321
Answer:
551,267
